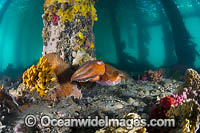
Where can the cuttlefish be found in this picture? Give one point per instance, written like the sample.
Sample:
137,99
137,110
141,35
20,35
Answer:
92,71
99,72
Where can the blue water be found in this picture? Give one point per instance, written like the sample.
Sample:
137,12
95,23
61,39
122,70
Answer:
20,33
21,27
156,55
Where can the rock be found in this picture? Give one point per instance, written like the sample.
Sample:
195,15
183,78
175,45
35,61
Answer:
73,54
143,104
140,109
141,93
155,92
174,81
165,85
118,106
129,86
140,89
144,116
131,100
163,95
147,92
17,92
136,103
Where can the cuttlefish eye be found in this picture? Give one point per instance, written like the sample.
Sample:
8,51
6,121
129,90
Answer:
99,63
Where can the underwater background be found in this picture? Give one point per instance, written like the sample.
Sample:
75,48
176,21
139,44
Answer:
134,31
149,67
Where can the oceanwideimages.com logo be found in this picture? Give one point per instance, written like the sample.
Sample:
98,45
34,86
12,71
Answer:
46,121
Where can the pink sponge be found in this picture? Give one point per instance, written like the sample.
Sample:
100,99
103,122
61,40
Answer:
55,19
177,99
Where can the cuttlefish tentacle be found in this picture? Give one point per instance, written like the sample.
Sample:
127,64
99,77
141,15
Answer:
111,77
90,71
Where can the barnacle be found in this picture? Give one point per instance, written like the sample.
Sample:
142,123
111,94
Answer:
39,77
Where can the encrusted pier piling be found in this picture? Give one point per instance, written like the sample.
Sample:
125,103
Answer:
68,29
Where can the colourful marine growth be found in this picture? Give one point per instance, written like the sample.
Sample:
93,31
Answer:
55,19
70,8
160,110
155,76
81,38
191,87
188,113
177,99
68,27
192,79
167,102
39,77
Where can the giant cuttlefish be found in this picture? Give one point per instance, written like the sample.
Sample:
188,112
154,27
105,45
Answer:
99,72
